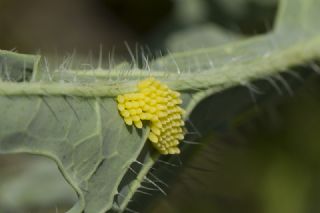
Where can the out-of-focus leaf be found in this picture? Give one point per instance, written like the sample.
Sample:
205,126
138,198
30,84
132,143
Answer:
39,184
200,37
76,123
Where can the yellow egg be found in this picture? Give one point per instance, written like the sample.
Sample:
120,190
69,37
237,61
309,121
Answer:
128,105
138,124
145,116
138,111
120,99
135,104
128,121
155,130
135,118
153,138
125,113
141,103
132,112
121,107
156,103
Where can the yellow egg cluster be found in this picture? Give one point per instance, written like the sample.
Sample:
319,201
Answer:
156,103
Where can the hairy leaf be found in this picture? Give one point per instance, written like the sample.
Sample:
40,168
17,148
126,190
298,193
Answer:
71,116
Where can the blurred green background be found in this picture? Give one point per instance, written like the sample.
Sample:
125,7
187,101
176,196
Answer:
263,159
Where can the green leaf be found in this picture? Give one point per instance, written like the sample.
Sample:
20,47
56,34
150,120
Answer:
210,70
85,137
30,186
71,117
17,67
207,35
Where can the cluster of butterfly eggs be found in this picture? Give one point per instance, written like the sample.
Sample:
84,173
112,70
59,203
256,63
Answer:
156,103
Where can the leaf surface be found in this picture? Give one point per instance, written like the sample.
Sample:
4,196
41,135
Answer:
76,123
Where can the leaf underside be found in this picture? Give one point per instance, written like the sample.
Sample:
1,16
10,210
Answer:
85,135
